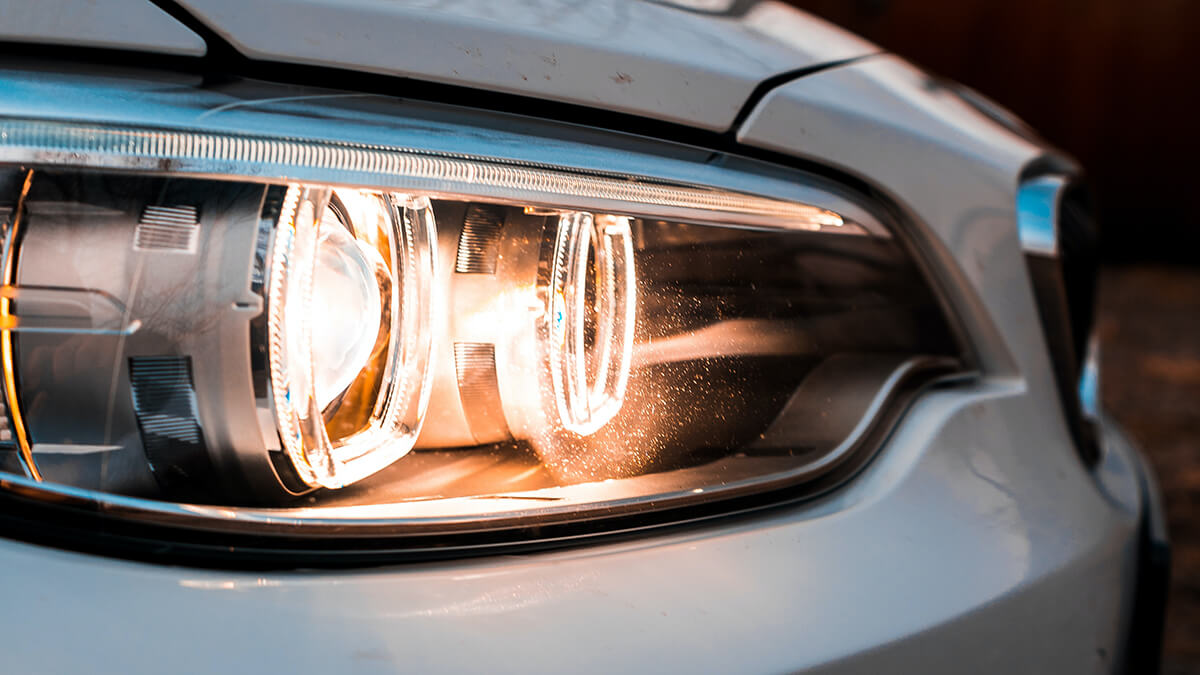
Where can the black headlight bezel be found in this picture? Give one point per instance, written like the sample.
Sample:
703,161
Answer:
1059,239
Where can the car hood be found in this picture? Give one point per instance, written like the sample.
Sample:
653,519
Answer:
631,56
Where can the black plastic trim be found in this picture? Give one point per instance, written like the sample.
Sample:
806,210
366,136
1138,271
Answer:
737,8
1145,645
217,47
775,81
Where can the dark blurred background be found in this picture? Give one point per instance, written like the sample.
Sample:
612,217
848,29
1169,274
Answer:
1116,84
1113,82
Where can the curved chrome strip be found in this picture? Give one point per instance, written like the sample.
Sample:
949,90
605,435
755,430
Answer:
1089,380
1037,215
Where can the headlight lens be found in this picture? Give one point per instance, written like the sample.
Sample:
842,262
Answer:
349,329
352,334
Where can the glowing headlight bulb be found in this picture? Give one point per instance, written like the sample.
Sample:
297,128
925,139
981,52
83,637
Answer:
346,295
541,318
350,329
591,319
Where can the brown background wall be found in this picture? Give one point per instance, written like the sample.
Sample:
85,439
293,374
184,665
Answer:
1114,82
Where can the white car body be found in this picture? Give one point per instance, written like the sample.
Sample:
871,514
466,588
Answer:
976,541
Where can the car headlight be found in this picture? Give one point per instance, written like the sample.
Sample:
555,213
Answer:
350,308
196,320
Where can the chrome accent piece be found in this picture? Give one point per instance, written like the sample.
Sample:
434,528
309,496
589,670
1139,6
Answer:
1037,214
6,435
164,403
479,389
164,400
167,228
479,242
260,375
10,234
1089,380
101,146
73,449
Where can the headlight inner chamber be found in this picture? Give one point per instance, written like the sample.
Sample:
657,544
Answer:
349,349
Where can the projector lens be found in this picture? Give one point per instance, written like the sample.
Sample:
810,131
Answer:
349,310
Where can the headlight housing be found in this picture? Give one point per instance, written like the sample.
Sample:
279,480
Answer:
442,329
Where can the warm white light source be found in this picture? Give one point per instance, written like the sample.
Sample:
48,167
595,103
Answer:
350,310
346,297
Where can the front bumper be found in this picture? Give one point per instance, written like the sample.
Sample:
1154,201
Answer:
976,542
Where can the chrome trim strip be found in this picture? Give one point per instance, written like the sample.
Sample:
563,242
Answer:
275,133
1089,380
1037,214
398,168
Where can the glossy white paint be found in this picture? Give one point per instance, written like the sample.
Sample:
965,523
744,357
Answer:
969,546
112,24
627,56
955,174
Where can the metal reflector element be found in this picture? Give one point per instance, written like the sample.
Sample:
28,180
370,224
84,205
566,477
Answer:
475,363
164,402
6,435
167,228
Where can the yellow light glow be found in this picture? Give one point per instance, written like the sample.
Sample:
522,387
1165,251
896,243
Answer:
6,341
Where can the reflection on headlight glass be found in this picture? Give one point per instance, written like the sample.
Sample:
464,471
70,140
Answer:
323,347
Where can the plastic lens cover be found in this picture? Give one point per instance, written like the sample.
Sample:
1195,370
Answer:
349,329
331,332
